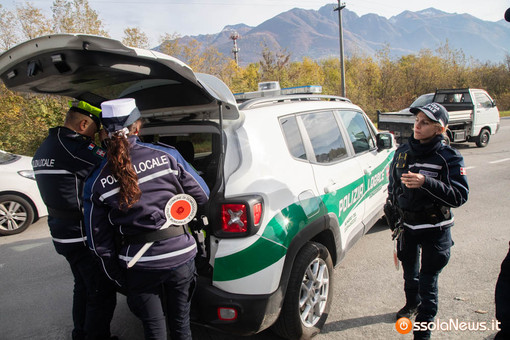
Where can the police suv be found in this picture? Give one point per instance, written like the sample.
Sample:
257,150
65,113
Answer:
295,179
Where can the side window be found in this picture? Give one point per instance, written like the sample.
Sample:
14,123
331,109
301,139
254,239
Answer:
483,100
325,137
293,137
358,131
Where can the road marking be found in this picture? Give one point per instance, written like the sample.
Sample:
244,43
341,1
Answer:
470,167
499,161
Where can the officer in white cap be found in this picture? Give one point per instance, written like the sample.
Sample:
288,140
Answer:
126,197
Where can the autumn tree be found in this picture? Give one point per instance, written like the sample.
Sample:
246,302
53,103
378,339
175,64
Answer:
273,65
26,119
241,79
33,23
134,37
306,72
76,16
169,44
8,35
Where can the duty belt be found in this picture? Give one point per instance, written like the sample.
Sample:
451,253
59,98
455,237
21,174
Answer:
432,215
154,236
65,214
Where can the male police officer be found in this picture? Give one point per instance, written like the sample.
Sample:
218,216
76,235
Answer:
61,164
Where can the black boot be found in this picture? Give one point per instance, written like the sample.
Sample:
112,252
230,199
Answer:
407,312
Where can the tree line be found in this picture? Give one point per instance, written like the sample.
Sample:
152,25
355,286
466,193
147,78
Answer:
377,82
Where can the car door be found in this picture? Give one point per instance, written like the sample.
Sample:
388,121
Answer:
374,163
338,178
486,113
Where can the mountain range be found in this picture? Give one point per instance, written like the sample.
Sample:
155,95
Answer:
315,34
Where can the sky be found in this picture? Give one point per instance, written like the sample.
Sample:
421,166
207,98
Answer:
193,17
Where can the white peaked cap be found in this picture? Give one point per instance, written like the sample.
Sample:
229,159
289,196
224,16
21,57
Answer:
119,113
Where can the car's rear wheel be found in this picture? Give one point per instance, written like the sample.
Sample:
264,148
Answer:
16,214
309,294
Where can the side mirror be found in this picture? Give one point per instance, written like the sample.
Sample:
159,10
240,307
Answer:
384,141
494,103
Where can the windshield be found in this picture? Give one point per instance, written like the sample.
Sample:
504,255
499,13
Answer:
6,157
423,100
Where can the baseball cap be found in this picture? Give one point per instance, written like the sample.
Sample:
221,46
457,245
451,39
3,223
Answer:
434,111
119,113
86,109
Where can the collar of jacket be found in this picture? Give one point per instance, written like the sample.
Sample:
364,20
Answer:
67,132
418,149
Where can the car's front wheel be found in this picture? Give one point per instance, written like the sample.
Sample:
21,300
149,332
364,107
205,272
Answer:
16,214
483,138
309,294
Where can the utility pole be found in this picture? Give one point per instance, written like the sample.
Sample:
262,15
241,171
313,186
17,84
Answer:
235,50
341,34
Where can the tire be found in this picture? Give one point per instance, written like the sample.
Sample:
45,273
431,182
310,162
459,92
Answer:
309,294
16,214
483,138
447,140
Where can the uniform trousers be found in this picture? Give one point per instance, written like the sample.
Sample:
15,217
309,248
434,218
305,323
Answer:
94,295
421,281
152,292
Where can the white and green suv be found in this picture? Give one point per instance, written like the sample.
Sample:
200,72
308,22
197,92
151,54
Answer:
295,180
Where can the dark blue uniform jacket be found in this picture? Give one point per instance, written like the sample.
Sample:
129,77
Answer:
61,165
162,173
445,184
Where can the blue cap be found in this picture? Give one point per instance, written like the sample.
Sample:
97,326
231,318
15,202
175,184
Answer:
434,111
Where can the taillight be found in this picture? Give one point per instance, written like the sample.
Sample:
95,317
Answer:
257,213
234,218
240,217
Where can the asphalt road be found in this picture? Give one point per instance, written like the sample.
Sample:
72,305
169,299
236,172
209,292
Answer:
36,283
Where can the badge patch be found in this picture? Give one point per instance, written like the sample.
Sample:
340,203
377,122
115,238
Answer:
101,153
401,161
463,171
91,146
428,173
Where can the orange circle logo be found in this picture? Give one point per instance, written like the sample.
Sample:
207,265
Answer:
404,325
180,210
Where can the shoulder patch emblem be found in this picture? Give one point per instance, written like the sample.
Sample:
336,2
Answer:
101,153
91,146
463,171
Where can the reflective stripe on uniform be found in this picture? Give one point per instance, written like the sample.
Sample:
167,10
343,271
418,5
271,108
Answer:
52,172
70,240
428,225
426,165
140,181
162,256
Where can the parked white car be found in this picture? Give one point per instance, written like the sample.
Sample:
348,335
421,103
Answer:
20,201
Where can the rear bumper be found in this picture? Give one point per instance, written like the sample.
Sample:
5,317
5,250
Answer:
254,312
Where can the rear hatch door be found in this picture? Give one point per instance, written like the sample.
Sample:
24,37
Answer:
96,69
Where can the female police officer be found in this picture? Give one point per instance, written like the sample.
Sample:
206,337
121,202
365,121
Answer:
126,197
427,178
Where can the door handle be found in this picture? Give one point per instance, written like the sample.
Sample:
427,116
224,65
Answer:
332,187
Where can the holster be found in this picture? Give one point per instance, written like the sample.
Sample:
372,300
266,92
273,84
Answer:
393,215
